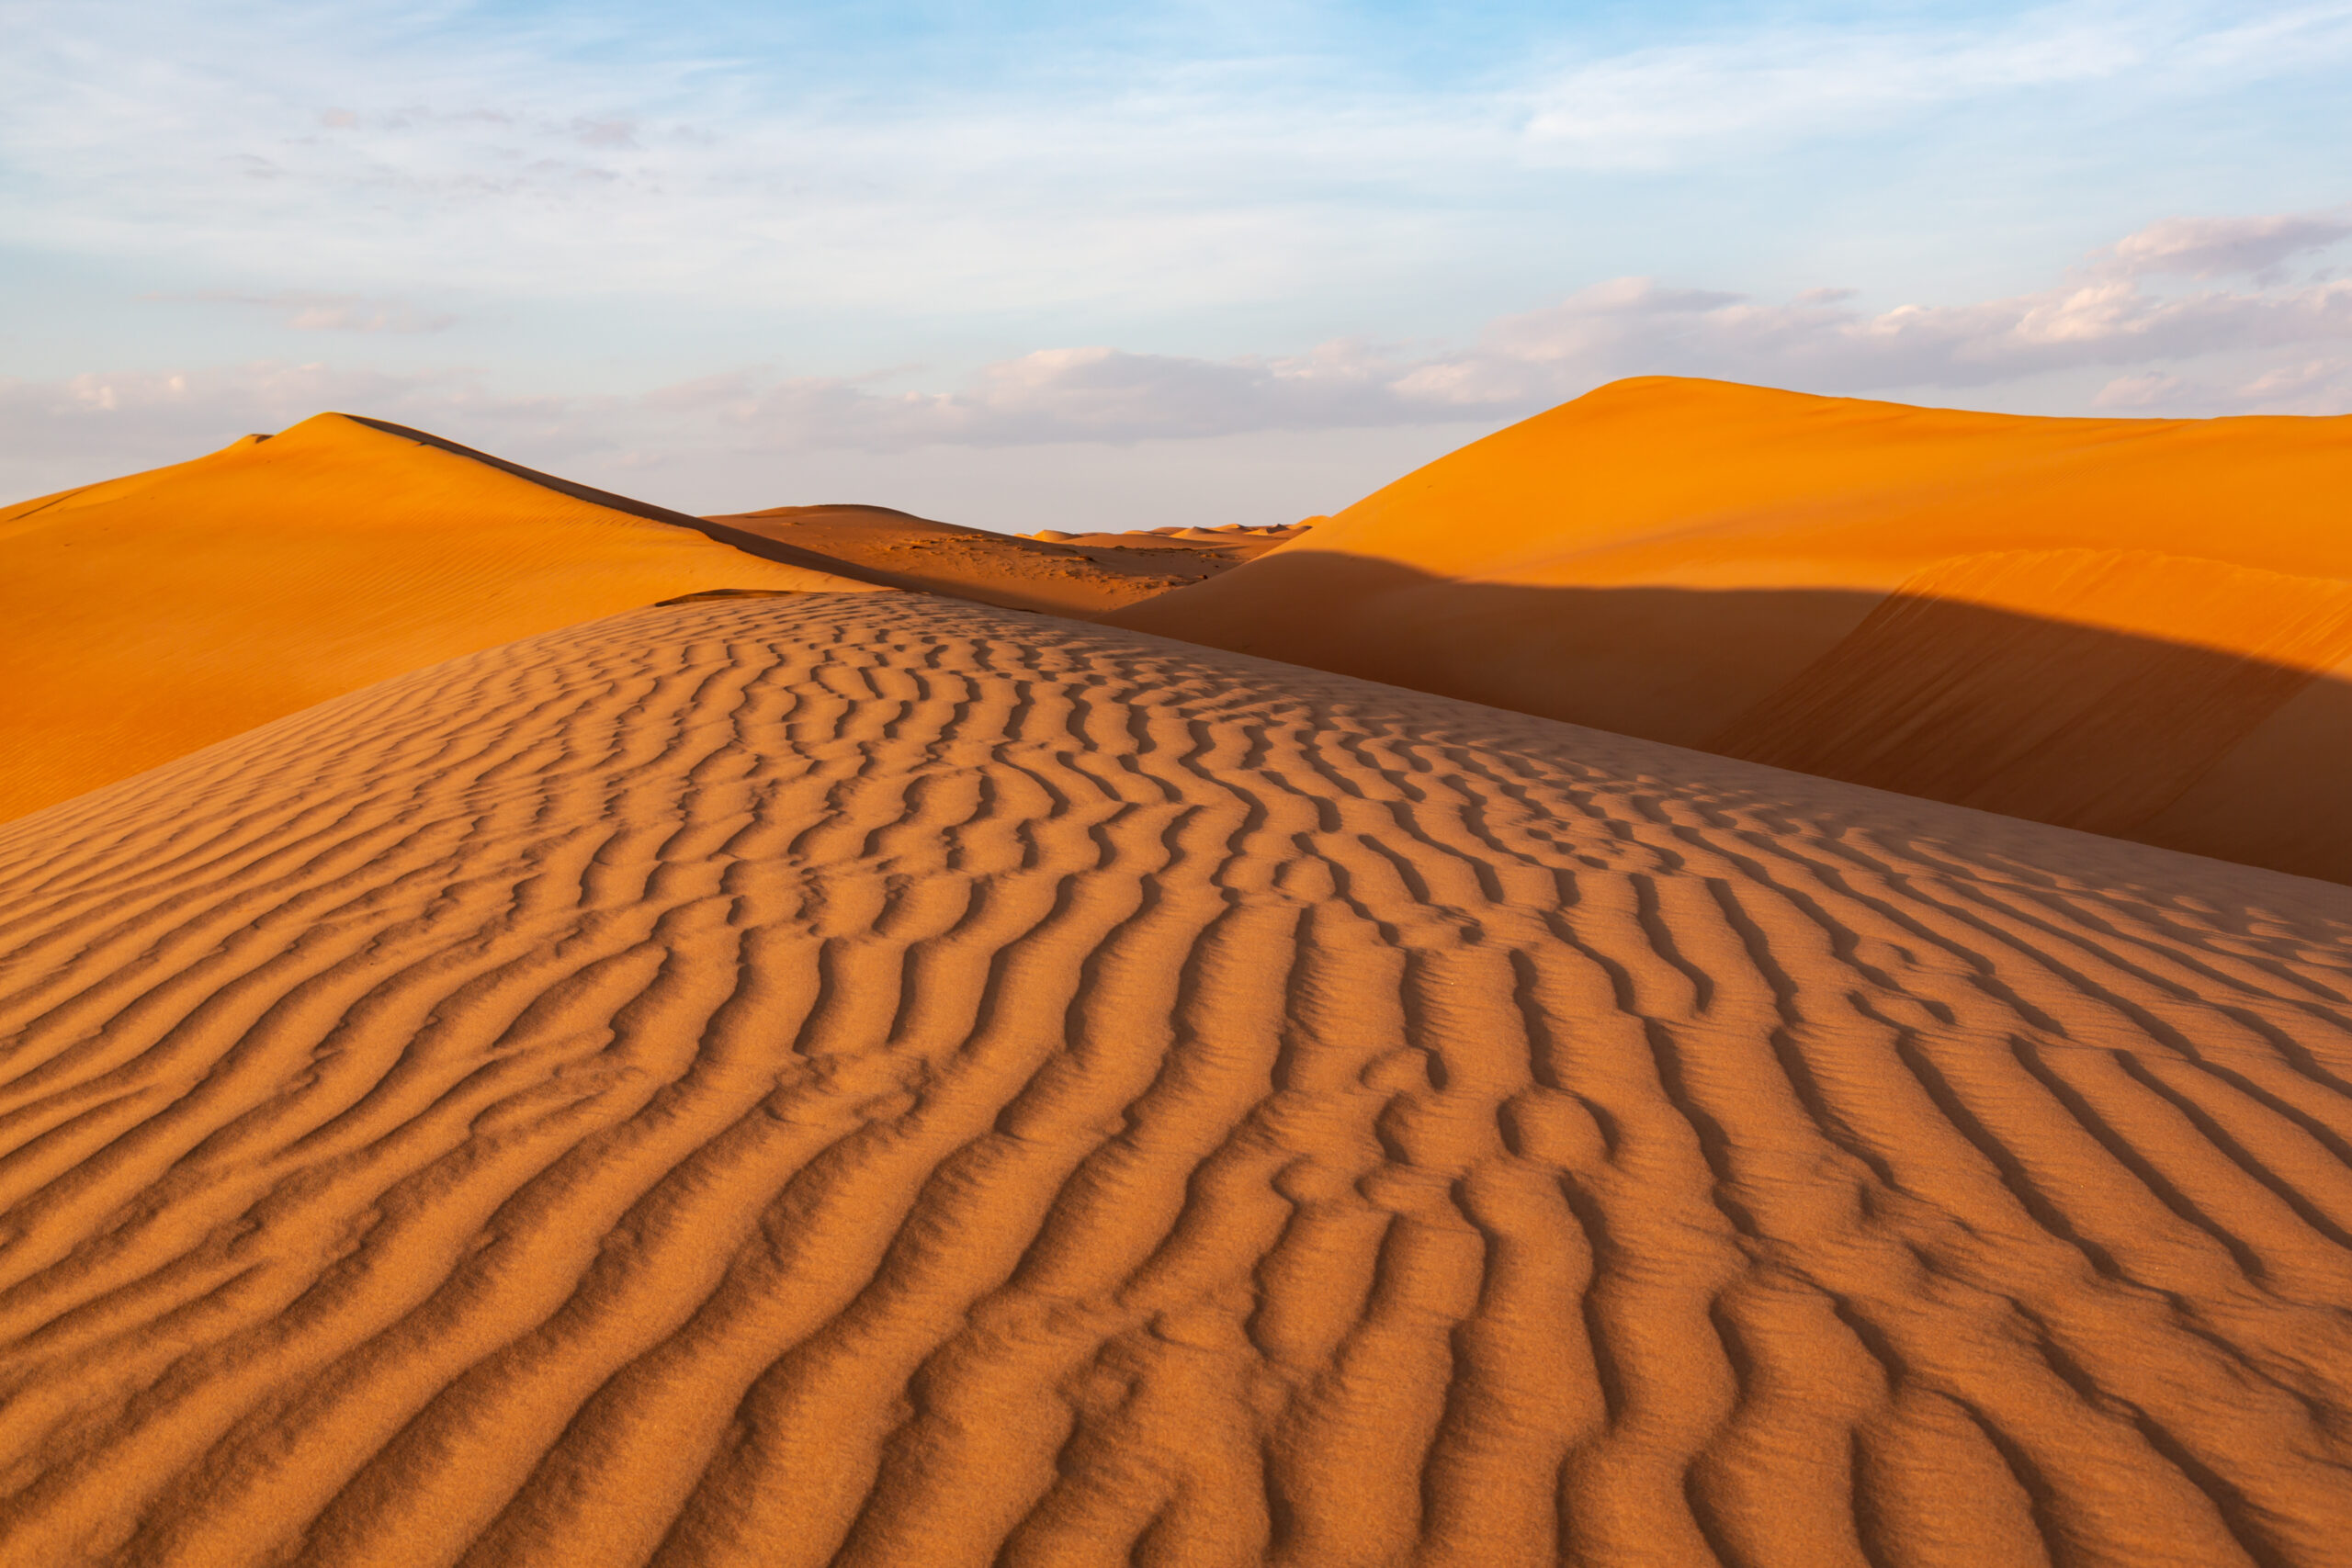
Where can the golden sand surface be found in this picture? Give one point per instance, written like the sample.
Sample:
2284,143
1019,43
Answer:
874,1080
1064,573
2141,627
146,616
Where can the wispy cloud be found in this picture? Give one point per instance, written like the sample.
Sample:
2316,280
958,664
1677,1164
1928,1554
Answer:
1654,107
306,310
695,228
1821,341
87,427
2268,345
2221,247
386,148
1633,326
398,146
2321,385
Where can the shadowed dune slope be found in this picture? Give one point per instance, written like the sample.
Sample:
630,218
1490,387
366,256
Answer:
1797,580
146,616
881,1080
1061,573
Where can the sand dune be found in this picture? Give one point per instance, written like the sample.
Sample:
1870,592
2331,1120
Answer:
146,616
1063,573
880,1080
1873,593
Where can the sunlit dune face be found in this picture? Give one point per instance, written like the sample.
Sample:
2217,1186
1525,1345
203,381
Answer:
147,616
1692,561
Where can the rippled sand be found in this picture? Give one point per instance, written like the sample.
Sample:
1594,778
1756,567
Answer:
866,1078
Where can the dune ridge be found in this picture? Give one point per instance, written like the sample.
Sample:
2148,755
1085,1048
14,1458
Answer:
879,1080
146,616
1716,565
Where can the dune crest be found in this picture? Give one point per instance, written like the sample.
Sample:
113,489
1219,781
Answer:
146,616
879,1080
1712,565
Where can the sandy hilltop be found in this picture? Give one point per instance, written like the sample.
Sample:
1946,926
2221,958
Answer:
1634,997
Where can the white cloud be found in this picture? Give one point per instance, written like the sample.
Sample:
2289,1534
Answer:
87,427
1654,107
307,311
2272,345
1820,342
388,147
397,148
2221,247
2316,385
1073,394
2145,389
1635,326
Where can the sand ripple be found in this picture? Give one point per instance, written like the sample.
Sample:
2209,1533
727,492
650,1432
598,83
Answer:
872,1079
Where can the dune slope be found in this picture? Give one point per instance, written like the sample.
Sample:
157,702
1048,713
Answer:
880,1080
146,616
1804,580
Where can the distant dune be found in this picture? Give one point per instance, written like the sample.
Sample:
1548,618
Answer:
146,616
1062,573
2141,627
873,1079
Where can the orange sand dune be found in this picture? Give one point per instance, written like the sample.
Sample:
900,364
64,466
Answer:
887,1081
1237,541
2141,627
146,616
1054,571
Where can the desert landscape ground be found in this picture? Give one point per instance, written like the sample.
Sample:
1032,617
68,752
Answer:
539,1029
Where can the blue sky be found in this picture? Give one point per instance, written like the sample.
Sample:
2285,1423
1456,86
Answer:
1047,265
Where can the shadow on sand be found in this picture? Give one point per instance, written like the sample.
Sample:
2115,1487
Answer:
2137,737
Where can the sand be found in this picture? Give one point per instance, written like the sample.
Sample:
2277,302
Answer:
2139,628
1064,573
146,616
873,1079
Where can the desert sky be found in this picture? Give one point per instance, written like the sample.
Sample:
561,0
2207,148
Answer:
1045,265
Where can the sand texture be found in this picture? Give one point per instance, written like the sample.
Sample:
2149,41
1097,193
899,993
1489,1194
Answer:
1063,573
1873,592
146,616
874,1079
